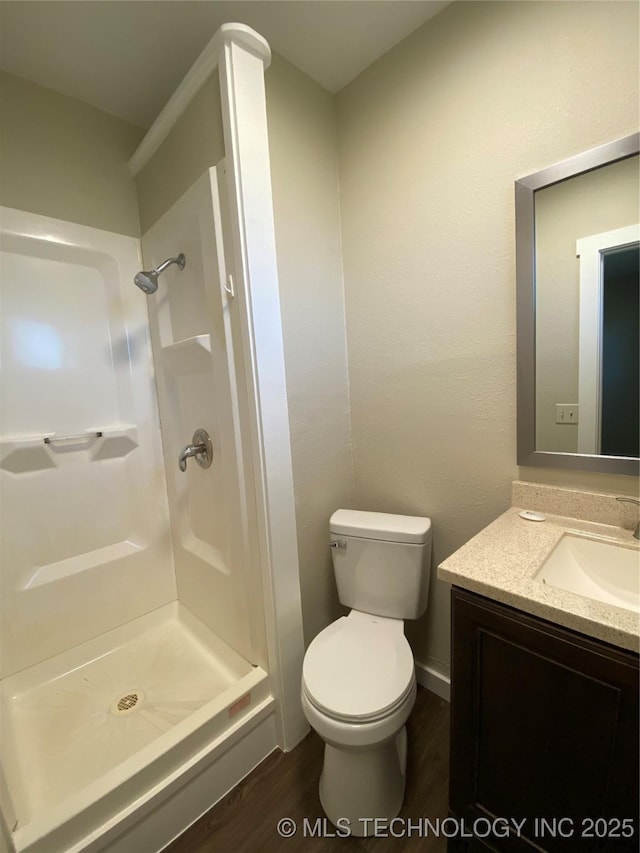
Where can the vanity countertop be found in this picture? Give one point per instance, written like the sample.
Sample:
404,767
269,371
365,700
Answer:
500,563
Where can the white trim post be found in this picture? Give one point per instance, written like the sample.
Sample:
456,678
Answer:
255,273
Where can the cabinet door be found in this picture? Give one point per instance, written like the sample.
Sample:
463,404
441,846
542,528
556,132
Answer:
544,728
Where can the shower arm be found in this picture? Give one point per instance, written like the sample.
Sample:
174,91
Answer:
179,261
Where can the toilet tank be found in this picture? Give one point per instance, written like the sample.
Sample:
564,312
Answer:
382,562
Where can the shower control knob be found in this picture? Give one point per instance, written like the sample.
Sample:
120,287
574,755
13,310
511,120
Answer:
201,449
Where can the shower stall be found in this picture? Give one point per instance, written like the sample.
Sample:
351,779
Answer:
151,624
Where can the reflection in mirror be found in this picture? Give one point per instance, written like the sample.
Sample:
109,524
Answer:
578,251
587,357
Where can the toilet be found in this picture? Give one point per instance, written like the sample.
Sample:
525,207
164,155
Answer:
358,679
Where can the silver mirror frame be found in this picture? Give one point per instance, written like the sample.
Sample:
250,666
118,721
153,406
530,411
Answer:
525,189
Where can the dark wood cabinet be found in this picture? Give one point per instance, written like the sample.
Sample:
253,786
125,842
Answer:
544,729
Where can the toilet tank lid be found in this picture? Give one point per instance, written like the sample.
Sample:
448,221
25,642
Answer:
381,525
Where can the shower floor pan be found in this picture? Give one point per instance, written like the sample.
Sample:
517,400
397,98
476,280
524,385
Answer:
95,730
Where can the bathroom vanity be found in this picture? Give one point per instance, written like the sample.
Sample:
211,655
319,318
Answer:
544,703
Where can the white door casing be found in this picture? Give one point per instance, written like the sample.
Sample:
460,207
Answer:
590,250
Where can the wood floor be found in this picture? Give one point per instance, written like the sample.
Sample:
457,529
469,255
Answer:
286,785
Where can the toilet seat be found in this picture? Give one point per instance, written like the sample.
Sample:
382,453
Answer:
359,669
374,717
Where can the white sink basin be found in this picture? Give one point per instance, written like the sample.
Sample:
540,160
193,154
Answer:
596,569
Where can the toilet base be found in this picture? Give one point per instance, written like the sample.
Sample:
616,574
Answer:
361,784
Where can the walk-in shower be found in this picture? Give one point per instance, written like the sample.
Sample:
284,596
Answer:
147,280
139,576
151,628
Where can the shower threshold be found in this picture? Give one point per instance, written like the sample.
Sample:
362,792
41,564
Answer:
95,733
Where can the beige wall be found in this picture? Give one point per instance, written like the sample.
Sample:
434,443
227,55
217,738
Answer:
431,138
195,143
304,174
588,204
62,158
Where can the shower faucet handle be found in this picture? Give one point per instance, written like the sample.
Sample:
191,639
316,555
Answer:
201,449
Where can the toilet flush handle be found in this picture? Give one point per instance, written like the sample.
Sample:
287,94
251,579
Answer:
338,543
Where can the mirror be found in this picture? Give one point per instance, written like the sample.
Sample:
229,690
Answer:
577,266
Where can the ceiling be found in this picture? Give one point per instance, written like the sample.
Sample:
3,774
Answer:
126,57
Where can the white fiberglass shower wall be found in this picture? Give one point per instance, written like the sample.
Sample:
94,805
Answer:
193,346
85,522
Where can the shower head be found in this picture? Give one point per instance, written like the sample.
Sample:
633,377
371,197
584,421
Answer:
147,280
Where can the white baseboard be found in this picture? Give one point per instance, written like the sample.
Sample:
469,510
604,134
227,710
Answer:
434,681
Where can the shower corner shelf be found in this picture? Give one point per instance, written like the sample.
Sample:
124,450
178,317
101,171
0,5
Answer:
188,356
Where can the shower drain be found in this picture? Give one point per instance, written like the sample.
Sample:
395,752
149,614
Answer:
127,703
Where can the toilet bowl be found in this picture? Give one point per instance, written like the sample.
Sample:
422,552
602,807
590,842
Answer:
358,689
358,676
